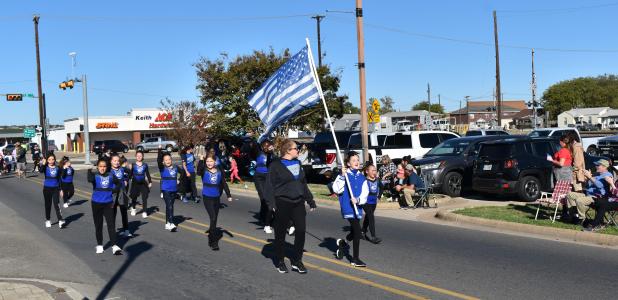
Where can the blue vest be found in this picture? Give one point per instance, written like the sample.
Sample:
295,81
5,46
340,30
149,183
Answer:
261,161
357,180
169,177
119,174
139,172
52,176
103,188
211,183
374,190
69,175
190,160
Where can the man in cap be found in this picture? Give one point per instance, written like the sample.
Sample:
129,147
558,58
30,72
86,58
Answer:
413,182
596,187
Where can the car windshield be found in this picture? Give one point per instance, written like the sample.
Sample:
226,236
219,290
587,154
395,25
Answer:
449,148
539,133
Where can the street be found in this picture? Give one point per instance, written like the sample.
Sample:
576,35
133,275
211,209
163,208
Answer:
416,260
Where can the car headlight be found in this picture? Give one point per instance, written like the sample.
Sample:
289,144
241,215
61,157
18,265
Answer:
435,165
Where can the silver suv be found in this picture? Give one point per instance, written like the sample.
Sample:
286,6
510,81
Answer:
154,143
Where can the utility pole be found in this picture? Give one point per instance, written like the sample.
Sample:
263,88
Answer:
429,104
459,121
468,110
86,130
533,87
318,19
498,91
40,88
361,77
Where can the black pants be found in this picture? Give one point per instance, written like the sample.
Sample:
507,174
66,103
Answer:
370,221
212,205
100,210
286,212
355,235
121,200
188,185
602,206
52,195
137,189
266,215
68,190
169,198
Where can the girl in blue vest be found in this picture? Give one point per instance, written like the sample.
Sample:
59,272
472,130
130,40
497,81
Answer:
213,185
141,182
187,177
261,171
121,200
68,190
169,186
51,188
348,201
374,187
103,183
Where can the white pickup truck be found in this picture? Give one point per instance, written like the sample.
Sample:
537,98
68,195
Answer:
394,144
590,144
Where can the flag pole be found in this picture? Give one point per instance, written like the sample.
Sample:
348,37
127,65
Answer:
330,123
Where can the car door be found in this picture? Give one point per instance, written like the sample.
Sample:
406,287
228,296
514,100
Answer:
427,141
149,144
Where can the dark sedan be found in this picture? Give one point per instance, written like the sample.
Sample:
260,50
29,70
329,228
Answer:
450,163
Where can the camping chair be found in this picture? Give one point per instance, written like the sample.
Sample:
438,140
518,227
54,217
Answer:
557,197
423,194
609,218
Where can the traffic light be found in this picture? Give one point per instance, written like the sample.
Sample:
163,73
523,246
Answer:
67,84
14,97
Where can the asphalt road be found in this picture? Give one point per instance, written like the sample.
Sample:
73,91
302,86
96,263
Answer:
416,260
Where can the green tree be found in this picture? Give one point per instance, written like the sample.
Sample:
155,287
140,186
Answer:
424,105
225,85
387,104
581,92
188,121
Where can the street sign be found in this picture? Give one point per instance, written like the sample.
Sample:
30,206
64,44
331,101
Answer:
373,117
29,133
376,106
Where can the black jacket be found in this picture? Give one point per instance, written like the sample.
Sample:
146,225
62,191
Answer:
281,185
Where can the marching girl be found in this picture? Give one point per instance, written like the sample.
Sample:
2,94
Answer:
141,182
187,177
68,190
120,195
169,186
347,202
373,185
103,183
51,188
213,182
261,171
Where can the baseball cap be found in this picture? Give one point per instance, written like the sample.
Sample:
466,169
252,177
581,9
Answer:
602,162
409,167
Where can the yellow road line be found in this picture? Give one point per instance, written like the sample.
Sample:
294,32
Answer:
333,261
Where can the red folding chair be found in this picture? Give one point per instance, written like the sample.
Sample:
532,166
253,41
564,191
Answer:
557,197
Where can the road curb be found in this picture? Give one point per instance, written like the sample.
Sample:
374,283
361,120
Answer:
557,233
51,287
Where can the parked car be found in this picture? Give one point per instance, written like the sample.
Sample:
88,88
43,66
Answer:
612,125
153,143
114,145
587,126
450,163
590,144
480,132
320,160
608,146
518,165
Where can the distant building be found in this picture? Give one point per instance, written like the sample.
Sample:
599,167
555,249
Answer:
392,121
525,119
591,115
483,114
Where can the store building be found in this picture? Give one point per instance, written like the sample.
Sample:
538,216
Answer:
131,129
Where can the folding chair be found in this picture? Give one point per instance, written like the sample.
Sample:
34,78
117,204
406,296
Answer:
424,193
557,197
611,216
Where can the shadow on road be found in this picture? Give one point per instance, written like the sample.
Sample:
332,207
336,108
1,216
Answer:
72,218
131,252
268,251
78,202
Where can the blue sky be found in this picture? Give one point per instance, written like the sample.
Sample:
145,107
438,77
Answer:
137,52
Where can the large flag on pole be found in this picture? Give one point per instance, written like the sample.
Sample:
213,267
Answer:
291,89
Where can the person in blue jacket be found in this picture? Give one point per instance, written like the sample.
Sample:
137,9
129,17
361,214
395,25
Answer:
103,183
141,182
66,184
121,200
213,186
51,188
169,186
187,177
348,201
374,187
261,171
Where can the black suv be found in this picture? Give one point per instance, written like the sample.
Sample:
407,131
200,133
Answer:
518,165
114,145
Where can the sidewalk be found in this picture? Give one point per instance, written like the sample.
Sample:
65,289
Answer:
19,288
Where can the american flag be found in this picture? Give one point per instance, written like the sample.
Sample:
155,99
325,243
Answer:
291,89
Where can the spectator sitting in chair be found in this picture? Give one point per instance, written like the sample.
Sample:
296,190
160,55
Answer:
596,187
603,205
411,183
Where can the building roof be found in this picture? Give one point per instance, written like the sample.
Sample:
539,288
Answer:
524,113
611,113
411,113
576,112
487,106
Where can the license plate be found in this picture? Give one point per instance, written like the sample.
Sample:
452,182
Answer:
487,167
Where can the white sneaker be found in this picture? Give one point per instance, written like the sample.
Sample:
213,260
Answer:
61,224
66,205
167,226
116,250
268,229
133,211
144,215
161,195
99,249
173,227
127,233
291,230
48,224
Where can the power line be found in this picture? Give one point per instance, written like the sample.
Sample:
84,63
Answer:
557,10
162,18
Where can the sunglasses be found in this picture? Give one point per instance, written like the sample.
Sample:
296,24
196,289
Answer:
294,149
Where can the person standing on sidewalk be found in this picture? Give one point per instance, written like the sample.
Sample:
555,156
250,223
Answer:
213,185
286,192
348,200
141,182
68,190
19,154
373,185
120,195
36,157
579,163
103,183
187,178
51,189
261,171
169,186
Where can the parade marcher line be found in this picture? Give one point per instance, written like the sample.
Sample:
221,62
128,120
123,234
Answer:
320,257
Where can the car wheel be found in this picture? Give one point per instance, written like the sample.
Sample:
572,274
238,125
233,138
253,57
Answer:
125,149
592,150
452,184
529,189
169,148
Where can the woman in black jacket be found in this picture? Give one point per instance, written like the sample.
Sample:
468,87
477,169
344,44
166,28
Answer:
286,191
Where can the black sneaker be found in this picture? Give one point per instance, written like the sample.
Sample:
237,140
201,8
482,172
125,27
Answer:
282,268
358,263
340,247
349,237
214,246
299,267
